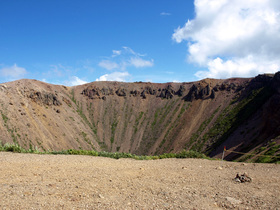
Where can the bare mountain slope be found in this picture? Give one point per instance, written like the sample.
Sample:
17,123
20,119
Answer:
145,118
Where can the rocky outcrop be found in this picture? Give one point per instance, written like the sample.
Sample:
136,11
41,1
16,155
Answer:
213,94
225,87
95,92
198,92
44,98
135,93
181,91
107,91
260,81
275,82
121,92
148,91
193,93
167,92
91,92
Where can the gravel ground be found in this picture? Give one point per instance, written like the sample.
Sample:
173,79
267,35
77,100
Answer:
30,181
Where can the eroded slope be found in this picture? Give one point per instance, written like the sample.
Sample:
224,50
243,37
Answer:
145,118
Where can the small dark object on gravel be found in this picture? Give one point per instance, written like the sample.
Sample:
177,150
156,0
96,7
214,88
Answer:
242,178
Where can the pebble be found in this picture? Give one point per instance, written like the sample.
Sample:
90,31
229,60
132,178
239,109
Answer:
233,201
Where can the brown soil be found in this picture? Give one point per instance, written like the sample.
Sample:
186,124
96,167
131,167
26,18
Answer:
30,181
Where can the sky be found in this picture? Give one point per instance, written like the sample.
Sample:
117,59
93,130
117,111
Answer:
72,42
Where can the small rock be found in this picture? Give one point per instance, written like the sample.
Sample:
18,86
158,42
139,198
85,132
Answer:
100,196
237,180
3,87
233,201
219,168
242,178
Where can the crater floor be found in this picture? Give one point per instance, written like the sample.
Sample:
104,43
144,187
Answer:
63,182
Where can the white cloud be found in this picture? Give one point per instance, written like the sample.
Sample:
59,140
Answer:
107,64
176,81
75,81
233,37
238,67
169,72
128,50
13,72
115,76
44,80
165,14
139,62
126,57
116,53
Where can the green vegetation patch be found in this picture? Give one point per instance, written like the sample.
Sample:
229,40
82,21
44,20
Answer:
199,142
117,155
4,117
155,117
137,121
16,148
270,156
234,115
113,130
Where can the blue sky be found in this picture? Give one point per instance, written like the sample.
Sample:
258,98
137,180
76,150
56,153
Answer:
71,42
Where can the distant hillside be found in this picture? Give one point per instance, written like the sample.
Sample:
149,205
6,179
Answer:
242,114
